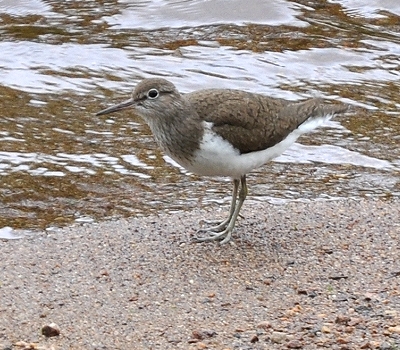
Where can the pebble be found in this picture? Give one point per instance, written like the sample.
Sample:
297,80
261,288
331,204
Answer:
392,313
51,330
294,344
342,319
325,329
200,335
254,339
354,321
280,337
197,335
264,325
395,329
349,329
294,311
342,340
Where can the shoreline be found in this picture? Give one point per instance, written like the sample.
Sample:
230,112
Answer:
298,275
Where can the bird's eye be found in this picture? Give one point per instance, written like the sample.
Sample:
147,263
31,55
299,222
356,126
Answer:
152,93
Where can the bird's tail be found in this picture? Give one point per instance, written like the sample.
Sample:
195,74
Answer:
315,113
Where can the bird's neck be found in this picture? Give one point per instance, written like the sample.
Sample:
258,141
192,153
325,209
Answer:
179,135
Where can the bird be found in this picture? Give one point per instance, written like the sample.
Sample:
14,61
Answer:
223,132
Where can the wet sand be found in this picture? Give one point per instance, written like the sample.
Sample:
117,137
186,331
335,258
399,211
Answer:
323,274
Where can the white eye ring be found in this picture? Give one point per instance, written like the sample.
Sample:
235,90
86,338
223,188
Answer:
152,94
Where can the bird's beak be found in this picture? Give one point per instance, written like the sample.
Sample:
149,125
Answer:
119,107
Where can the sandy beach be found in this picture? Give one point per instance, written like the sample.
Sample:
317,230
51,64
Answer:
317,275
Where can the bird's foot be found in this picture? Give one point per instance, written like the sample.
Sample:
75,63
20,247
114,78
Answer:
219,226
224,236
223,231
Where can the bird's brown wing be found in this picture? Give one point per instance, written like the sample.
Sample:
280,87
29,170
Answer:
250,122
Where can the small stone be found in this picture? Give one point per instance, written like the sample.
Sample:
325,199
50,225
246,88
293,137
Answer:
210,333
338,277
312,294
254,339
297,308
327,250
342,319
349,329
354,321
268,282
346,347
342,340
325,329
280,337
395,329
302,291
264,325
201,346
374,344
391,313
294,344
173,340
290,313
197,335
293,311
200,335
51,330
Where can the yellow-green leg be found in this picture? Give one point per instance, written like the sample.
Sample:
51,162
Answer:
223,231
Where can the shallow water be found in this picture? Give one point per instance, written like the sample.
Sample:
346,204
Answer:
60,62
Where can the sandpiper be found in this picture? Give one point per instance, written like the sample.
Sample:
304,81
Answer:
223,132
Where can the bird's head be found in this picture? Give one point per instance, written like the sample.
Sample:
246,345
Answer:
151,99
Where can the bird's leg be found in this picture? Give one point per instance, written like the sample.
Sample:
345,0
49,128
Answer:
226,234
242,196
222,225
